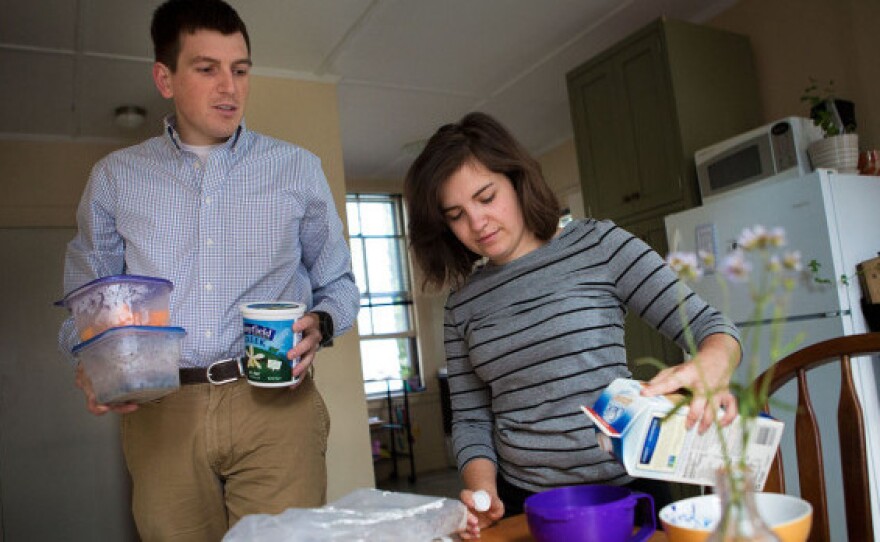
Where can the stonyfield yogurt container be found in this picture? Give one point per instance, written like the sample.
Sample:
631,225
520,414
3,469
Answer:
268,336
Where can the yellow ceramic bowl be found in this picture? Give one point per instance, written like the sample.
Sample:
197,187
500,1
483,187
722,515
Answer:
692,520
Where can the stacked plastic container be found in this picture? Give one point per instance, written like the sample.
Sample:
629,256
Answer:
128,350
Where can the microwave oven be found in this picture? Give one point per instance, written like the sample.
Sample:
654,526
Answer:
777,150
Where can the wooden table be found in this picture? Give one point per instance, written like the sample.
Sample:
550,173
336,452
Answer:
515,529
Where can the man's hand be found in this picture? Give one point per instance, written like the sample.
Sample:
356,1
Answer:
307,347
98,409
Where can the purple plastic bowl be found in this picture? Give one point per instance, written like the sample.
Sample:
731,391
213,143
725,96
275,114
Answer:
590,513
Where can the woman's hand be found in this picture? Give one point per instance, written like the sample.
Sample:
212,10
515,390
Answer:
710,369
480,519
479,474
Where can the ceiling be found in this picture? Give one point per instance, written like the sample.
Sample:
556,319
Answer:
403,67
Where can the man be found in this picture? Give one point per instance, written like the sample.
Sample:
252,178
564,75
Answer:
229,216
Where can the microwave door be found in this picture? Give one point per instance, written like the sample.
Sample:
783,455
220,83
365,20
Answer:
747,162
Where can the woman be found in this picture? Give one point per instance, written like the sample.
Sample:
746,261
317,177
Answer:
534,323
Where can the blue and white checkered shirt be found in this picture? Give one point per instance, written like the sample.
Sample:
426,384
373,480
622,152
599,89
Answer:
255,222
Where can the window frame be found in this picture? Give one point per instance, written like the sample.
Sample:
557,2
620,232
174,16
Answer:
404,297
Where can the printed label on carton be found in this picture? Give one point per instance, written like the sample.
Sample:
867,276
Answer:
650,442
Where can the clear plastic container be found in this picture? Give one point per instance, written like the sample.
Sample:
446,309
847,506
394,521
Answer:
364,515
132,363
118,300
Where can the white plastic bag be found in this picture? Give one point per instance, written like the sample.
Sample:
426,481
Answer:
366,515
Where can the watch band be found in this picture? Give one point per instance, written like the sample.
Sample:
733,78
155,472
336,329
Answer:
325,325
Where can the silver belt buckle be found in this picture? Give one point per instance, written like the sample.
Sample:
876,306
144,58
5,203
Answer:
228,380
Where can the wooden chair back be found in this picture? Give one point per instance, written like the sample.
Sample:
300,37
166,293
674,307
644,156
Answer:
853,452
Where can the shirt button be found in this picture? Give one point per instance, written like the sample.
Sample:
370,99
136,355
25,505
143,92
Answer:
208,334
197,166
210,242
208,200
209,286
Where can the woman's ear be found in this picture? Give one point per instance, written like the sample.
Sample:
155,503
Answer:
162,77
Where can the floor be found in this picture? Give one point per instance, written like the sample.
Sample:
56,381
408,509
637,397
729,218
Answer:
442,483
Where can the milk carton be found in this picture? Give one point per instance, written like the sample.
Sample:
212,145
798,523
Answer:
632,428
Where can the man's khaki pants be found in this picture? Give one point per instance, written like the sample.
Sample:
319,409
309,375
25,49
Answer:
204,456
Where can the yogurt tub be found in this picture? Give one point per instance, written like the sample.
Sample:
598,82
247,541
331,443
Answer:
268,336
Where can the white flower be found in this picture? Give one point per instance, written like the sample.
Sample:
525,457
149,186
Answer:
736,268
759,238
792,260
707,259
685,265
750,238
777,237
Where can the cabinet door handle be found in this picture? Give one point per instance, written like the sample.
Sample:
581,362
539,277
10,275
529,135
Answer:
631,197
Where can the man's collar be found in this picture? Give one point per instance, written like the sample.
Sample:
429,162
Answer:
170,122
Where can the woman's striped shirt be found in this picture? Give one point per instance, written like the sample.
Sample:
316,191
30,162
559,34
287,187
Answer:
528,342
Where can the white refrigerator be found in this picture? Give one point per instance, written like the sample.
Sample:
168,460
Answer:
833,219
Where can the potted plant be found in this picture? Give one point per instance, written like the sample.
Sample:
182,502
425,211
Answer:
839,147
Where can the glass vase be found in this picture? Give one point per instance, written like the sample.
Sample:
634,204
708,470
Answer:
740,520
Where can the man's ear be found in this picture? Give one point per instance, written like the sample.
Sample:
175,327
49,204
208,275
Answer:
162,78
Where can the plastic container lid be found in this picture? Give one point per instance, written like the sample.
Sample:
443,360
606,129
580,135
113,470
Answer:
68,299
125,330
273,310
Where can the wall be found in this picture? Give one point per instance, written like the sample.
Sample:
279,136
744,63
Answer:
306,113
560,168
794,40
42,182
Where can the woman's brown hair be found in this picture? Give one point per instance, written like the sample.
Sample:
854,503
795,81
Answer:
443,259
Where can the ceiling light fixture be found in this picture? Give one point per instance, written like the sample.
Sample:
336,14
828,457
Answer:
129,116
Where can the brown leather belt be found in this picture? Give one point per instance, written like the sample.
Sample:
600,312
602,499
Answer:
220,372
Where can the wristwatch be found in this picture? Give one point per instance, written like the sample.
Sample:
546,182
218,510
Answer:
325,325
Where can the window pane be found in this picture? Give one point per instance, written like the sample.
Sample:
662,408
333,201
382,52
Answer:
380,387
378,218
390,319
358,265
394,315
365,321
380,266
382,358
386,270
354,221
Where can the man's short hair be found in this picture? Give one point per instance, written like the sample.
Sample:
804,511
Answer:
174,17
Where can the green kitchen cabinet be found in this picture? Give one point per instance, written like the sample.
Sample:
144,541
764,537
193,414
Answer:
642,108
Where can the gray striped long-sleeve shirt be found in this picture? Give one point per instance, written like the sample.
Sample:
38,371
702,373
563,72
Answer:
528,342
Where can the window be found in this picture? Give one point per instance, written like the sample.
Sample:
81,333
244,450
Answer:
381,269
